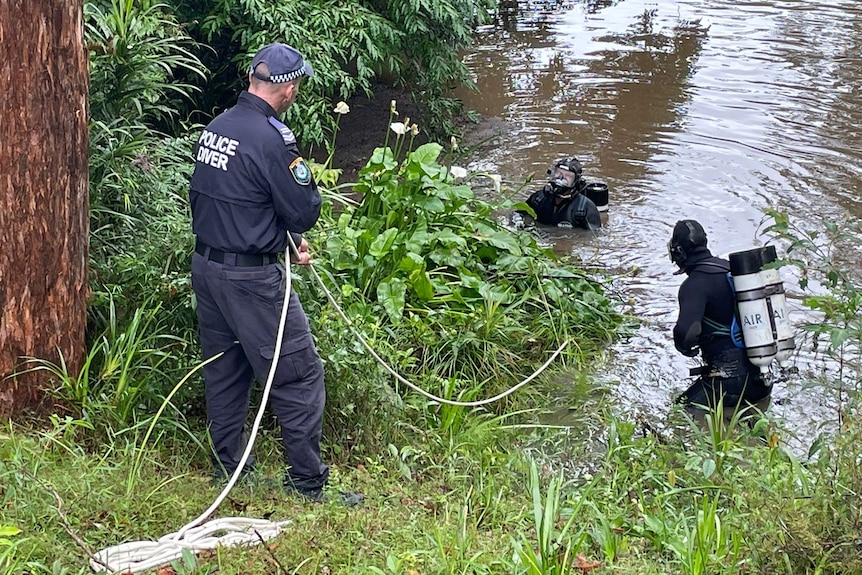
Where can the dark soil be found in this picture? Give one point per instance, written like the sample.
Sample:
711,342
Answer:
364,128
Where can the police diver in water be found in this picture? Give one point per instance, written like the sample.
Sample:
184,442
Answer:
707,305
562,200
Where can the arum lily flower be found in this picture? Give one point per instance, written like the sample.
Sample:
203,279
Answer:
398,127
458,172
341,108
497,179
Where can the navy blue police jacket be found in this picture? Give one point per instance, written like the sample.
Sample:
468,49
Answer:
250,183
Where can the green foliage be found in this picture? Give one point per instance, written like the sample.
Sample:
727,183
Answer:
422,256
555,548
350,44
347,43
9,559
122,374
700,543
648,509
835,285
136,47
434,34
141,232
818,257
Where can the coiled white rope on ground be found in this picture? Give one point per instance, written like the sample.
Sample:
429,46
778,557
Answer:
139,556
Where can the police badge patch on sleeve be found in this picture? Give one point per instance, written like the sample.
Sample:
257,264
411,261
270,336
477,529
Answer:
301,172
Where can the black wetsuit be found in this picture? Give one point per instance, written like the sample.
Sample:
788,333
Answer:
706,309
578,211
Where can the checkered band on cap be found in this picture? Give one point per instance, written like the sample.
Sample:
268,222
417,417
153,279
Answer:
281,78
284,63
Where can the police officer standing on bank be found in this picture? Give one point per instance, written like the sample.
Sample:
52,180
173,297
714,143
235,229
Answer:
707,305
562,200
251,187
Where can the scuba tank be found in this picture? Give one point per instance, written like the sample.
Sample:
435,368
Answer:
752,302
598,193
782,330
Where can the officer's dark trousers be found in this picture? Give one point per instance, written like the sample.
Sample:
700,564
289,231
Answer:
238,310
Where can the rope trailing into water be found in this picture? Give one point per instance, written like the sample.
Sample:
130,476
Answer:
410,384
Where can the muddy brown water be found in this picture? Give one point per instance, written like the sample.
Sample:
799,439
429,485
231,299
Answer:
708,109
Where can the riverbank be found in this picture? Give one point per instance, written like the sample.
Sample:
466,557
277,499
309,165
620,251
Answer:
364,128
447,489
607,496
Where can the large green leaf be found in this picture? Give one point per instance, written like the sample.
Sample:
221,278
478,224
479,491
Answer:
383,243
504,240
451,193
412,261
425,154
449,238
448,257
8,531
390,293
421,284
430,204
418,241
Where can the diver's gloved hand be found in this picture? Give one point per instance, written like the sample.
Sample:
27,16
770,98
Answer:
690,352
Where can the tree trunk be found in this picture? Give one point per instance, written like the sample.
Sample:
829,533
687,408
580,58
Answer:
44,207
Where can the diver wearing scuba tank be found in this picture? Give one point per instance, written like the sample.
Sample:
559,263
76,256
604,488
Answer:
707,306
562,202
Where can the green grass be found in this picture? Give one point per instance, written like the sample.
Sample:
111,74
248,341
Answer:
466,494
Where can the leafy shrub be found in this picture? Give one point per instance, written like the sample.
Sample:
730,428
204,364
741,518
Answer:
123,374
414,44
429,276
835,290
136,47
141,237
141,231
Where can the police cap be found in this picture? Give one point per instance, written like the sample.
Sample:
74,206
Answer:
283,62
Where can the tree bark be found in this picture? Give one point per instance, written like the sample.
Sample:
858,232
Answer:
44,205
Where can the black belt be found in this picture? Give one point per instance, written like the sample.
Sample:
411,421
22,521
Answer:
243,260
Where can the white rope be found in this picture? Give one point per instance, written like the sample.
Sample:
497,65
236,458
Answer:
138,556
412,385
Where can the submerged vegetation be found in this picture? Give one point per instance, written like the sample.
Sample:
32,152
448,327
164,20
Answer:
451,299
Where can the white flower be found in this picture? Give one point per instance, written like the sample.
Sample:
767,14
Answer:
454,143
414,129
392,108
341,108
398,127
497,179
458,172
